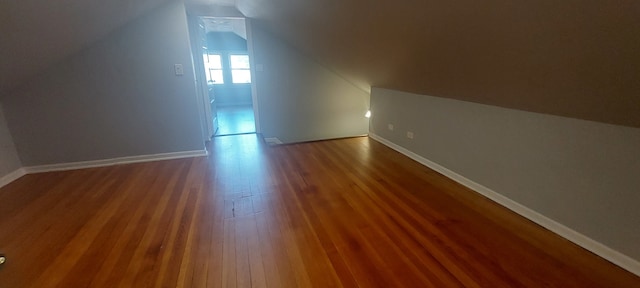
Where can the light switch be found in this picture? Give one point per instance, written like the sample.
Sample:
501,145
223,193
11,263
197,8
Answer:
179,69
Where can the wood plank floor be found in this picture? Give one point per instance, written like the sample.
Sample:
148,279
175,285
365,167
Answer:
340,213
235,120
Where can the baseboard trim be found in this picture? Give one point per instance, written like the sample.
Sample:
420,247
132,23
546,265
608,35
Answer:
585,242
13,176
114,161
272,141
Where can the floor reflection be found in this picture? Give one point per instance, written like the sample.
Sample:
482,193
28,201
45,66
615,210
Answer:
241,166
235,120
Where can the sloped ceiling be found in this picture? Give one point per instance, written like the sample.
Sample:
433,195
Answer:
38,33
575,58
226,24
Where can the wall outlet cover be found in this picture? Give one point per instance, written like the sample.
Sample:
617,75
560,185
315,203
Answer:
179,69
410,135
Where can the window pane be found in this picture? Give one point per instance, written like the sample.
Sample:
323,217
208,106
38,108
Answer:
215,77
215,61
239,61
212,61
213,66
240,76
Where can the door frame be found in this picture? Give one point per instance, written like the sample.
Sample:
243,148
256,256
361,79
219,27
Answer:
207,119
205,110
252,66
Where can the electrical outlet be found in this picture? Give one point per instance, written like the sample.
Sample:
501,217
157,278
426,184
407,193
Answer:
179,69
390,127
409,135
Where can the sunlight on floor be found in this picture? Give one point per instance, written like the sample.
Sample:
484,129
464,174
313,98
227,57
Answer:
235,120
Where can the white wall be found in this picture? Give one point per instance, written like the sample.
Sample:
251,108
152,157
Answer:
299,99
582,174
9,161
118,98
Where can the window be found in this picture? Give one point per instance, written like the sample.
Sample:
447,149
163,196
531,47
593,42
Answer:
213,68
240,73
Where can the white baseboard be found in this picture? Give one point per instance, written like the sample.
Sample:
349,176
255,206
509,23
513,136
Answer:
114,161
4,180
585,242
13,176
272,141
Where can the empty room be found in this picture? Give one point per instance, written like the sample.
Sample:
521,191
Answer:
319,143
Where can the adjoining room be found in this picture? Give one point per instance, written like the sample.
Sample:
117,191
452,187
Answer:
228,72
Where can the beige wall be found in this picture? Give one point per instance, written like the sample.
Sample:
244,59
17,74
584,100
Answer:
118,98
579,173
9,161
577,59
300,100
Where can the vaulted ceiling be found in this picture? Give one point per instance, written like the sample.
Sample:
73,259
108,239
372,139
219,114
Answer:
575,58
38,33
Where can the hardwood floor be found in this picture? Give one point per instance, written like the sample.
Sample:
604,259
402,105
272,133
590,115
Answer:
340,213
235,120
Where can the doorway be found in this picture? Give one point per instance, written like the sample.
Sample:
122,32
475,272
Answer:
228,74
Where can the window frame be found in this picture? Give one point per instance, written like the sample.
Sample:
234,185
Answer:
232,69
208,69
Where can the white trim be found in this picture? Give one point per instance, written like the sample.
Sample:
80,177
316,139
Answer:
585,242
114,161
272,141
4,180
13,176
254,75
